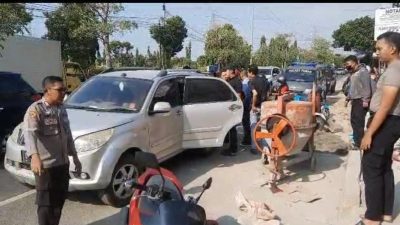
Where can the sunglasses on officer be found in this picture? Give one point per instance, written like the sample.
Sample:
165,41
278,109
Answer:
60,89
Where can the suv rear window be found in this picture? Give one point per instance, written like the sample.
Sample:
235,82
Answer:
207,90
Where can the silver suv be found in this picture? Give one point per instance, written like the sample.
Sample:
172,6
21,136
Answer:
115,114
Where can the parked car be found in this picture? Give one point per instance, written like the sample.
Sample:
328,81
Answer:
117,113
270,72
301,77
340,71
16,95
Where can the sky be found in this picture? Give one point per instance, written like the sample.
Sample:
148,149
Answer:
304,20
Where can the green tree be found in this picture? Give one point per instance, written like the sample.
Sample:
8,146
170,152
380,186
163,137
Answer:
170,37
107,24
293,52
140,60
261,55
321,49
357,34
306,55
338,60
279,50
13,20
189,51
67,24
121,53
202,61
188,55
223,45
151,58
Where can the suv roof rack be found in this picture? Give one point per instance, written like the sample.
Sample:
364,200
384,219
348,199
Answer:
111,69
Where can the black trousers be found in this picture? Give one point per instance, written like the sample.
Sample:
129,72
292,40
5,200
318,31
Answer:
357,119
246,125
51,192
377,170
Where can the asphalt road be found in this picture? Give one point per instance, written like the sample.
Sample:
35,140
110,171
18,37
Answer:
84,207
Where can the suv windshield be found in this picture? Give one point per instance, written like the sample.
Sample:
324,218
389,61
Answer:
113,94
300,75
265,71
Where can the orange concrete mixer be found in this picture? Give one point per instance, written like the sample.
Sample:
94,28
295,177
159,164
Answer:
286,127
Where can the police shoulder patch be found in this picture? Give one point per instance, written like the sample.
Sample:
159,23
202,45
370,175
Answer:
32,113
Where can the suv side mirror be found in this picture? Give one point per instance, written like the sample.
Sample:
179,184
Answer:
161,107
207,184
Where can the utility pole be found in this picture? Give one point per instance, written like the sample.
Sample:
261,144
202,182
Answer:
212,22
162,47
252,34
159,45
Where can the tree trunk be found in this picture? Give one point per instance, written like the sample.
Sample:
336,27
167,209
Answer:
107,51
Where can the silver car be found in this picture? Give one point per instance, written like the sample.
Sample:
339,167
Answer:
115,114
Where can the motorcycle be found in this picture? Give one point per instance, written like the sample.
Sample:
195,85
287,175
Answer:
158,198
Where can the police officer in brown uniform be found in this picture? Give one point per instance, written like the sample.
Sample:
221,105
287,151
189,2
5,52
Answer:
49,142
382,133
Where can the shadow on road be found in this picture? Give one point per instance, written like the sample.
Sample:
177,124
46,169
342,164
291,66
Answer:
189,165
227,220
86,197
116,219
301,172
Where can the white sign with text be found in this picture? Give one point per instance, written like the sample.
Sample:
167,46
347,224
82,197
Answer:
386,20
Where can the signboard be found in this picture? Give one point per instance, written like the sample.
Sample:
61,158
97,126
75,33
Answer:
299,70
387,20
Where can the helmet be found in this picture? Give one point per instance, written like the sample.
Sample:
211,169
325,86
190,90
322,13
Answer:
281,79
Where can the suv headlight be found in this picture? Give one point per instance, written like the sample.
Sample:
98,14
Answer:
93,141
15,133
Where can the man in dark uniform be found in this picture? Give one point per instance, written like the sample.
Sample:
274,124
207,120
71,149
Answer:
382,133
49,142
236,83
259,91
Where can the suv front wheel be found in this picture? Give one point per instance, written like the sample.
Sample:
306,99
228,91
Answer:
117,194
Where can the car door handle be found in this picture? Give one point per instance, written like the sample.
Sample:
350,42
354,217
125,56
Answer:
234,107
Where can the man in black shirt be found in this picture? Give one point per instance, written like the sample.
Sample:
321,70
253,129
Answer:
259,89
236,83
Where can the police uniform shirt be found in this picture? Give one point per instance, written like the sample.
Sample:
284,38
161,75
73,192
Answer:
391,77
360,85
47,132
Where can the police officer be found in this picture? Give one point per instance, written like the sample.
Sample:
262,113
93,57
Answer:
359,95
49,142
382,133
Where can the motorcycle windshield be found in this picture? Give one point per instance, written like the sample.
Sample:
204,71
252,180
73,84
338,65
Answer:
150,209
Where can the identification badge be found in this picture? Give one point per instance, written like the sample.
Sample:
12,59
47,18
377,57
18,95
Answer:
50,121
